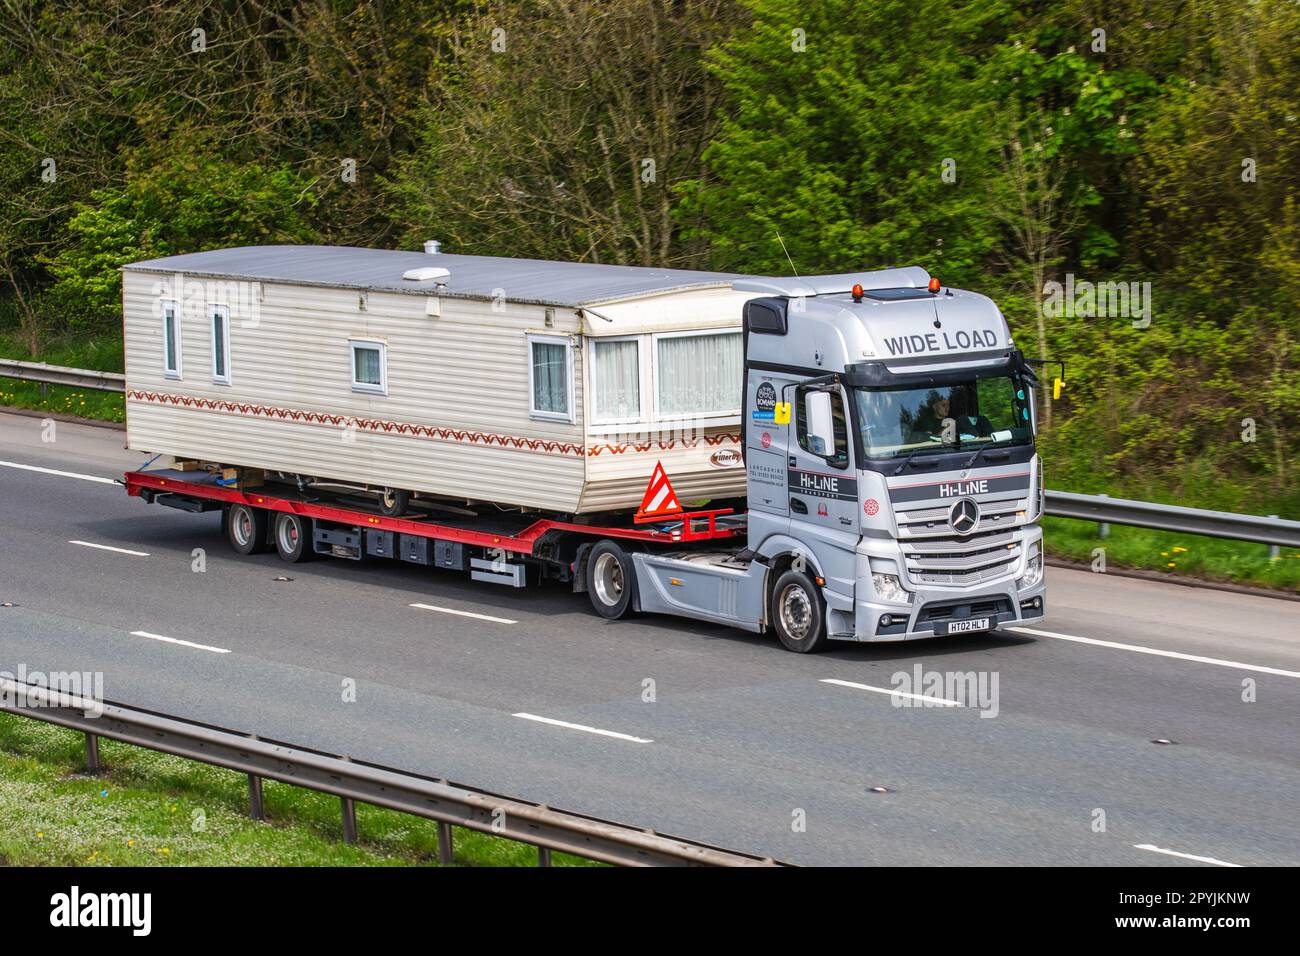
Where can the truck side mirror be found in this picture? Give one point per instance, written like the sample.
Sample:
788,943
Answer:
821,423
1057,385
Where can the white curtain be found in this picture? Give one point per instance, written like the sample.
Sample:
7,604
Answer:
550,378
368,372
699,374
616,379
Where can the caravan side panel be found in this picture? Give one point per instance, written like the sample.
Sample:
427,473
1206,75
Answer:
455,421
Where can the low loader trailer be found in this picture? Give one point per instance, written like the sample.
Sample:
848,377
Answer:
893,489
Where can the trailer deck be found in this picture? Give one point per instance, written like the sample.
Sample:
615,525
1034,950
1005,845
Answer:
513,532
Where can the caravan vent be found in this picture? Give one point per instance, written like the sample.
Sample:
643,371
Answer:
427,274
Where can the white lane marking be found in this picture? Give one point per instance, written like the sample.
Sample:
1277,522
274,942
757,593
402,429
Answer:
1138,649
452,610
1184,856
584,727
106,547
942,701
173,640
61,474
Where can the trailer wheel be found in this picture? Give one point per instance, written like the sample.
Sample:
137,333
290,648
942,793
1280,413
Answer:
799,613
393,503
293,537
245,528
611,580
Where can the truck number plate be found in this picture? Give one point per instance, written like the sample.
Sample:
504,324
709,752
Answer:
974,624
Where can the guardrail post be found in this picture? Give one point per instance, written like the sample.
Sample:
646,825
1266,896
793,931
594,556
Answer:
444,844
256,808
1274,551
93,763
1103,527
543,856
349,808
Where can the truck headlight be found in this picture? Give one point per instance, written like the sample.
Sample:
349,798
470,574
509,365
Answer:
890,588
1033,568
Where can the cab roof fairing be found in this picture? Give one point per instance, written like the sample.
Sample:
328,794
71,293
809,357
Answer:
971,331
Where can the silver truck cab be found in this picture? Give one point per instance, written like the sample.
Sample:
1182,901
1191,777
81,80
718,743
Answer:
894,489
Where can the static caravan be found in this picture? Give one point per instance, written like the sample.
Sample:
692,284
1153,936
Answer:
545,386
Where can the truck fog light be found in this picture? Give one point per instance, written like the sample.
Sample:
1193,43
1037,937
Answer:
890,588
886,620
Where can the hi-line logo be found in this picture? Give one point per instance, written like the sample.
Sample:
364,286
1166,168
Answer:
1088,300
74,908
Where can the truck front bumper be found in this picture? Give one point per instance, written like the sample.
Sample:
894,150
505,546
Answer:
937,612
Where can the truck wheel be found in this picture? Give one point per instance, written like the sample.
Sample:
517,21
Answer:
245,528
611,580
799,613
293,538
393,503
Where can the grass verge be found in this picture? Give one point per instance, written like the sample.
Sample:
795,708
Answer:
101,353
151,809
1187,555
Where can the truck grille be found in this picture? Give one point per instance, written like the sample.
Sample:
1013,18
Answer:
934,554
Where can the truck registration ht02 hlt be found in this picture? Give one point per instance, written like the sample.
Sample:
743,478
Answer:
863,444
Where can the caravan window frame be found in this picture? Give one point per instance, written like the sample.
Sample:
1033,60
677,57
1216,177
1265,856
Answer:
542,414
172,339
369,388
643,378
220,313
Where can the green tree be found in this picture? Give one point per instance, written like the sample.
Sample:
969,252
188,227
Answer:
186,204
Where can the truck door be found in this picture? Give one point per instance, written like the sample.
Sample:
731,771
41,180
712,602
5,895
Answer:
766,447
823,487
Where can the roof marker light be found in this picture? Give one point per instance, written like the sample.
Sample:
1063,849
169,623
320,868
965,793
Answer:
934,284
857,292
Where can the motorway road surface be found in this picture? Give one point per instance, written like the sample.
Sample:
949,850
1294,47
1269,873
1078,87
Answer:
740,744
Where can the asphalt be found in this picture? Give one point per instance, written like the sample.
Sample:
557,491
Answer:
749,747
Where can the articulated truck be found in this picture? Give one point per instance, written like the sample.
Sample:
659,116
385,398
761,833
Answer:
842,457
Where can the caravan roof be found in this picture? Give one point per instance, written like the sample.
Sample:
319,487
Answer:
536,281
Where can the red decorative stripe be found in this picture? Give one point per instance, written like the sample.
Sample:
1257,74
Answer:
543,445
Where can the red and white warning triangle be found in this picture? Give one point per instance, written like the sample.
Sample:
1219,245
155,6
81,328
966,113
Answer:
660,500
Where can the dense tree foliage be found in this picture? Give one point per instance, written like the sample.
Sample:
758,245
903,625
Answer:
1004,145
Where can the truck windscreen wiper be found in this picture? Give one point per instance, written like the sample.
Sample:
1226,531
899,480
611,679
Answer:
902,466
983,448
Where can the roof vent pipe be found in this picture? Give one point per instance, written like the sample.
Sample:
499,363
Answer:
432,247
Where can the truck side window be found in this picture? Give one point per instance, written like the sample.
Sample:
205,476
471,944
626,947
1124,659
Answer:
821,426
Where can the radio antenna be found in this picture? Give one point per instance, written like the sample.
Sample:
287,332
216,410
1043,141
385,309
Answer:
787,254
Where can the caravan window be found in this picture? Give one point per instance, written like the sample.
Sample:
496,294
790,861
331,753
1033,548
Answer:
550,377
615,380
369,366
698,374
171,340
220,344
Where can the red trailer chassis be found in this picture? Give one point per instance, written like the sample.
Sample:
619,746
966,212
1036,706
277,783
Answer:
682,528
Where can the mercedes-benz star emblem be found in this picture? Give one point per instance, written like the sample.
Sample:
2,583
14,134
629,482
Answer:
964,515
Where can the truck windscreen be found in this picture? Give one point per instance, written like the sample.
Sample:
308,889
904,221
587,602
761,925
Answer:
970,414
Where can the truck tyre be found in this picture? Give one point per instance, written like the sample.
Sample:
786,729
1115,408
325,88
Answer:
245,528
611,580
394,503
799,613
293,537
